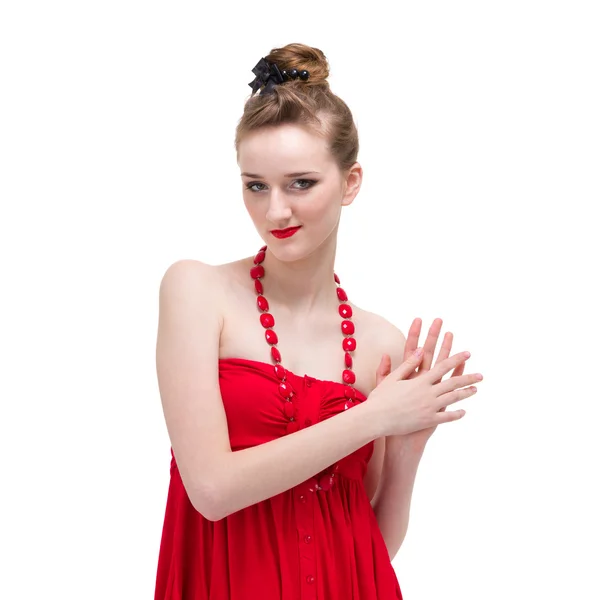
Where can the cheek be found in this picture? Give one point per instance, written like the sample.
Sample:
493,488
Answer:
319,206
252,208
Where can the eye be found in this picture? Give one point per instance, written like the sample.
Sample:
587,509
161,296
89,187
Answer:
251,185
310,183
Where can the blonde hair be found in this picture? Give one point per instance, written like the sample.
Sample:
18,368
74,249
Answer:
309,103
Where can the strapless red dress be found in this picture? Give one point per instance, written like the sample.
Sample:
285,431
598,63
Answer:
297,545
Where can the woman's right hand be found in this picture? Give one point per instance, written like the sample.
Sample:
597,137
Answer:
402,406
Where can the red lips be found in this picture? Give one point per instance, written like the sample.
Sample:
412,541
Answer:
283,233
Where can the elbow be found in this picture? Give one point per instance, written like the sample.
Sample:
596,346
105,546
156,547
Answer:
207,502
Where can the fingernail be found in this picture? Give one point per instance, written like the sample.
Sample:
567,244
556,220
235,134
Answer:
418,352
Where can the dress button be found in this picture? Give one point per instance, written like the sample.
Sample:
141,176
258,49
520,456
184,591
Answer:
307,539
308,383
302,498
310,579
308,422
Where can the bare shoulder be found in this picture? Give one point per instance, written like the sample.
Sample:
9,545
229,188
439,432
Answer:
188,270
196,280
384,336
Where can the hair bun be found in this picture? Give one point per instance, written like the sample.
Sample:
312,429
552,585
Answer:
295,74
307,101
310,64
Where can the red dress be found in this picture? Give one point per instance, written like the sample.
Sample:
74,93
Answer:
297,545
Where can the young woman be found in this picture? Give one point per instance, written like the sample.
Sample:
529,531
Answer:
294,444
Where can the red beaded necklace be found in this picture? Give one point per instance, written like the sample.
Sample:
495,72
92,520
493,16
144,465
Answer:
325,479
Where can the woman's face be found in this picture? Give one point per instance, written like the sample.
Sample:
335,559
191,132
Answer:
290,179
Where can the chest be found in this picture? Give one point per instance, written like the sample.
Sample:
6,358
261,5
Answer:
310,347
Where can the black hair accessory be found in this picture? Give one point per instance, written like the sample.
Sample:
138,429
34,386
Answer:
269,75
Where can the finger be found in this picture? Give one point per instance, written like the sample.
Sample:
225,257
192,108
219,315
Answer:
430,344
407,367
452,415
459,370
384,369
454,383
456,396
412,341
445,348
438,372
385,364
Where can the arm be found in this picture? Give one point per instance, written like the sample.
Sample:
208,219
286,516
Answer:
373,474
218,481
392,501
248,476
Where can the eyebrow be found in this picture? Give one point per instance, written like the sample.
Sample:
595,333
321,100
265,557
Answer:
288,175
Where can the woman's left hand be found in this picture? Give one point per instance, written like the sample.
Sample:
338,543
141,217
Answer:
418,439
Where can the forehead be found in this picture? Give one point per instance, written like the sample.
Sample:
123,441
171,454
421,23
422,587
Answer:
283,148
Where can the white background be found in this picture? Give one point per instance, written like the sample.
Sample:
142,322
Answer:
480,143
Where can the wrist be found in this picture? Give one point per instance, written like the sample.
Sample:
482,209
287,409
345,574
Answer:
375,421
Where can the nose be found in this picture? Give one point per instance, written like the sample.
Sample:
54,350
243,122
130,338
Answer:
279,210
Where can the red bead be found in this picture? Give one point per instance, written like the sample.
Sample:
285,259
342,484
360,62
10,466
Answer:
286,390
349,404
336,278
292,427
271,336
258,271
288,409
340,292
259,257
267,320
262,303
275,354
258,285
263,248
348,376
347,327
345,311
326,482
350,393
348,360
280,372
349,344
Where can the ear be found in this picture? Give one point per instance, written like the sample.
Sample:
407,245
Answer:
352,183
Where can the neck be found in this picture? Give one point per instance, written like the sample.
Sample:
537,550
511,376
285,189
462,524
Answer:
303,286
